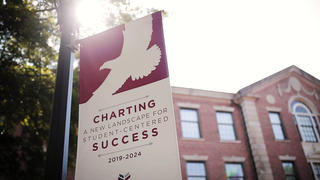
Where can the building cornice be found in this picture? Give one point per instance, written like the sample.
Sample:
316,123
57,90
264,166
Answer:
202,93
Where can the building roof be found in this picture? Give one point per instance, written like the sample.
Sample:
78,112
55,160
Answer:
247,90
204,93
276,76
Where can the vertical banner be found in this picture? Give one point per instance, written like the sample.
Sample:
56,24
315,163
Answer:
126,122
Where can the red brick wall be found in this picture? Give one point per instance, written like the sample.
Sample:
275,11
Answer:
292,146
210,144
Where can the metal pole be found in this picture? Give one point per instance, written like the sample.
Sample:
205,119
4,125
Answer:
58,144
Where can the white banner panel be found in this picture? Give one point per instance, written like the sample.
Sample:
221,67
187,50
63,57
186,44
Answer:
126,122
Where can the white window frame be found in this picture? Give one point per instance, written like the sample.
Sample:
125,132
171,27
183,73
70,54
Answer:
295,173
313,171
235,163
233,126
197,122
198,162
312,116
279,124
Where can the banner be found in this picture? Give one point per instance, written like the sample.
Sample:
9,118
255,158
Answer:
126,122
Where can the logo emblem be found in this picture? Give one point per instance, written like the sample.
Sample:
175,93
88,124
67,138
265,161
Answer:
137,59
122,177
123,58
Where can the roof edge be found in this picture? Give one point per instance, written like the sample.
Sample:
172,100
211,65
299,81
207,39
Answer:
286,71
204,93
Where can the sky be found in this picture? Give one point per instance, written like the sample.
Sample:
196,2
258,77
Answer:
226,45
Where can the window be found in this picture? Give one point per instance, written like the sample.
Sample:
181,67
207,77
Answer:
225,125
289,170
196,171
277,127
189,123
234,171
316,170
306,122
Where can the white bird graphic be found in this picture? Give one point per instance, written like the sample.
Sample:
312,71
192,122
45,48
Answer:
135,61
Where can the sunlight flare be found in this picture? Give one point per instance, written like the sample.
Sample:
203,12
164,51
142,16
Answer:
92,15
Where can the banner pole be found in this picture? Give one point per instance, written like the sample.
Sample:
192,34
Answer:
58,144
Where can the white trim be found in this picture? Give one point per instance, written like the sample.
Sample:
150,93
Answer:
230,141
302,105
311,150
284,141
233,159
195,157
273,109
304,100
223,108
287,158
188,105
192,139
203,93
311,115
313,160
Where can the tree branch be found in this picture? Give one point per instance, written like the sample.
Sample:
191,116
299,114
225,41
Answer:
48,9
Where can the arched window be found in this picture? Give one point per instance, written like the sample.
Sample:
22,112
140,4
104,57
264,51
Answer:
306,122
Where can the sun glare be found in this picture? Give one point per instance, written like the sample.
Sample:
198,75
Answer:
91,15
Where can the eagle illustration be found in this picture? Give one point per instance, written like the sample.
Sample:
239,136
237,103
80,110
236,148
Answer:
136,59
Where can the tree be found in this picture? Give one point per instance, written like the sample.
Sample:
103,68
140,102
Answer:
26,88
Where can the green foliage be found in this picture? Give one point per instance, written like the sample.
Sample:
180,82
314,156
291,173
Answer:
126,12
26,89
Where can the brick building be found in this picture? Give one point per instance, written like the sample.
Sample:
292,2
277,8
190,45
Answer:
268,130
